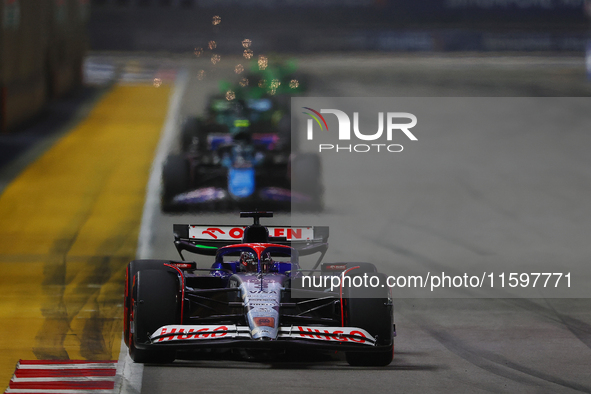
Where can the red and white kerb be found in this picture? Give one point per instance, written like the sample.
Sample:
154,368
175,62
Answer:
64,377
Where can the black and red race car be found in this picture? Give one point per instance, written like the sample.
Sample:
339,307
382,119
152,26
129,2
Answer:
254,296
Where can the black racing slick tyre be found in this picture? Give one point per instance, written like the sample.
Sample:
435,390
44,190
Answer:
370,308
175,179
156,304
374,359
189,132
130,277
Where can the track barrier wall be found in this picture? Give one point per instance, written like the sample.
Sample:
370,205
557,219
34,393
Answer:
330,25
42,46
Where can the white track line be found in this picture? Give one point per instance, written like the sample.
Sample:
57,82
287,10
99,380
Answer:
129,374
57,391
64,379
167,137
66,366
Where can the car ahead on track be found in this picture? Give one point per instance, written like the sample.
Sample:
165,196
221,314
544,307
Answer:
240,156
252,298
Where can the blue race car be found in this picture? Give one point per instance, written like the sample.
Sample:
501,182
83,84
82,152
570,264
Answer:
240,155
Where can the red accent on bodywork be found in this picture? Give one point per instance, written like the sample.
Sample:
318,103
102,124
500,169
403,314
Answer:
126,301
182,288
185,265
264,321
335,267
341,295
131,314
211,230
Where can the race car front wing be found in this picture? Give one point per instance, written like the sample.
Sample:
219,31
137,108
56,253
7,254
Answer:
212,335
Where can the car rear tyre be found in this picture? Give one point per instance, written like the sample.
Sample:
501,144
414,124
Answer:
370,308
189,131
175,179
156,304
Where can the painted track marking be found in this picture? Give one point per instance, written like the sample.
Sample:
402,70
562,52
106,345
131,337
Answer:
41,377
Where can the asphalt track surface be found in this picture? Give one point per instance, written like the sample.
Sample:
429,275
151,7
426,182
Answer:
443,345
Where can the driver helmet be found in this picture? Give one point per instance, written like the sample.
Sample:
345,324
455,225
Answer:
248,262
266,262
237,117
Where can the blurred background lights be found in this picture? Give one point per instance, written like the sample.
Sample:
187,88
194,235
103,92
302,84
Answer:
201,75
157,82
243,82
262,62
273,86
275,83
293,84
212,45
239,69
216,20
215,58
198,51
248,53
246,43
230,95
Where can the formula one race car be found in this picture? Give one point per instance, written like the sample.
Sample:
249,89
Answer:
253,298
240,155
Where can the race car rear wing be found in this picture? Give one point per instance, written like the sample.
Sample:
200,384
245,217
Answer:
207,239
